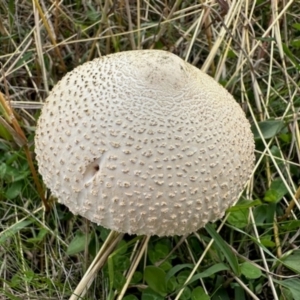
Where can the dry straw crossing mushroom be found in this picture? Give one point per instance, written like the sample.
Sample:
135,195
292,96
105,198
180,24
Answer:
142,142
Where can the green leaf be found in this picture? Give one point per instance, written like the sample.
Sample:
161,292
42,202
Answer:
117,263
14,190
149,294
92,14
29,275
239,293
244,204
166,265
266,39
122,247
222,245
3,168
286,294
286,138
160,251
104,232
296,26
78,243
182,277
239,218
293,261
267,242
260,214
290,55
221,294
4,235
137,277
270,213
176,269
199,294
292,284
24,59
209,272
290,225
130,297
119,280
111,275
231,54
121,262
11,9
172,284
276,192
16,280
10,174
295,43
186,294
156,279
268,129
250,271
10,296
5,134
259,244
40,237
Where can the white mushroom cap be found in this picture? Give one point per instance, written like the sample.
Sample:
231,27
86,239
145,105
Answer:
142,142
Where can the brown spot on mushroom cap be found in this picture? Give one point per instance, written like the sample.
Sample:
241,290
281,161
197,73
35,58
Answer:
144,143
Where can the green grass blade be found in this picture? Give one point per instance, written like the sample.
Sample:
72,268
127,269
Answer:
225,249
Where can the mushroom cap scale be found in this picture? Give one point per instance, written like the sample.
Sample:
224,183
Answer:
142,142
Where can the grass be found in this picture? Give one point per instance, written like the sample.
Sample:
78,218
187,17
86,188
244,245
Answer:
250,47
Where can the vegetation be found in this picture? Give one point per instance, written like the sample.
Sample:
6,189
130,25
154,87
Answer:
250,47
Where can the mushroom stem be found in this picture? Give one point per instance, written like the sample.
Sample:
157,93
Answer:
106,249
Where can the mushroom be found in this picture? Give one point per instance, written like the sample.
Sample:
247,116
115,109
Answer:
142,142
